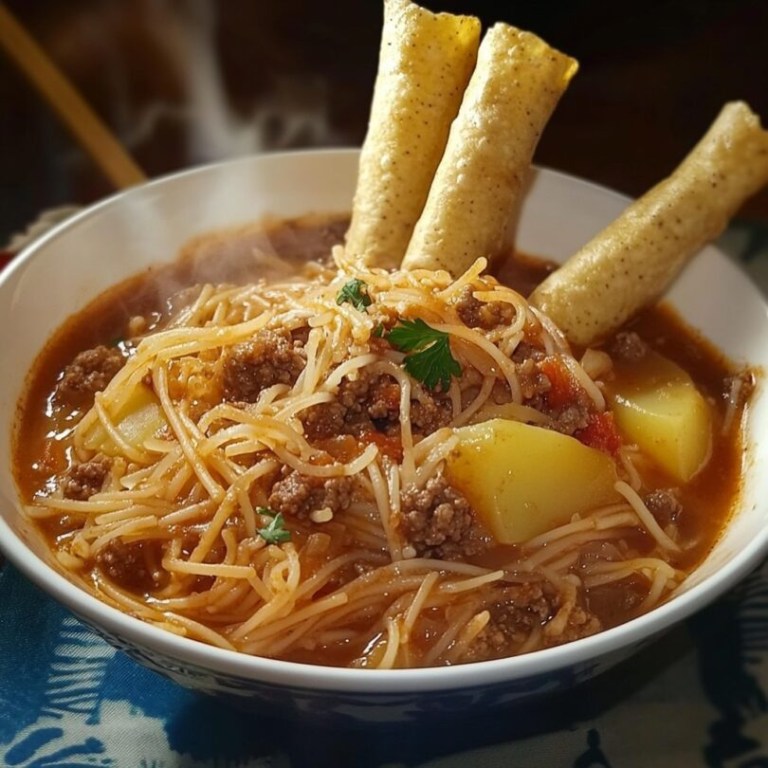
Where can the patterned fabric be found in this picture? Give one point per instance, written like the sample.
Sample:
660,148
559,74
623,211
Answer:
696,697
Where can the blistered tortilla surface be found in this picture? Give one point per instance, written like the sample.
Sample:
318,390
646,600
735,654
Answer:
632,261
425,62
481,179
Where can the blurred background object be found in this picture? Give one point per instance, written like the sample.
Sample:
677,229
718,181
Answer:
184,82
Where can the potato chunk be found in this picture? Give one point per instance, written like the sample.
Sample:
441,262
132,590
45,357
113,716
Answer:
657,406
140,418
524,480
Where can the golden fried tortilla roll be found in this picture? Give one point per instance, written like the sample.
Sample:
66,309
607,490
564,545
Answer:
424,66
631,262
479,183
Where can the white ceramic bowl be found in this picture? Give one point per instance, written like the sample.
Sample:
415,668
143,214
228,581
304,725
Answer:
149,224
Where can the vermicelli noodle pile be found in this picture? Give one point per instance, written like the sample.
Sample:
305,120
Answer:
271,476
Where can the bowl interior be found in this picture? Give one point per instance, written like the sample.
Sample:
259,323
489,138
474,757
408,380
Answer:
149,224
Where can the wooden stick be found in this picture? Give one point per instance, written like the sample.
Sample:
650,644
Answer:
89,130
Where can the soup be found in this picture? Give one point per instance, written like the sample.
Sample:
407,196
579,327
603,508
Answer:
376,454
315,466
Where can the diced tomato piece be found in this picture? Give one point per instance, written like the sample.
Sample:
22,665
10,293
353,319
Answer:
563,387
5,258
388,445
600,433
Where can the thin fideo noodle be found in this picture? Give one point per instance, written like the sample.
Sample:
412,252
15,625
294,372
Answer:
193,494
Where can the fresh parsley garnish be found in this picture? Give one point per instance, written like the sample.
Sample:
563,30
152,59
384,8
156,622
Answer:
275,532
428,358
378,331
356,293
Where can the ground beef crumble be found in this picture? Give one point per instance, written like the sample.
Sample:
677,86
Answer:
627,345
481,314
371,403
299,495
89,373
81,481
572,419
533,383
568,420
521,609
430,412
326,420
567,415
127,564
270,357
437,521
369,400
664,506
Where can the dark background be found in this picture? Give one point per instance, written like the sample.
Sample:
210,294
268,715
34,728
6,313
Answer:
183,82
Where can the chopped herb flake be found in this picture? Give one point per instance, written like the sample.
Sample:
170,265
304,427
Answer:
275,532
428,358
356,293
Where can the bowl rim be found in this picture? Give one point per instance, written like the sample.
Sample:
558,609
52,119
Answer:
329,679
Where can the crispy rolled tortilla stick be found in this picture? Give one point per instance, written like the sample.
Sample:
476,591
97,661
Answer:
480,180
631,262
424,66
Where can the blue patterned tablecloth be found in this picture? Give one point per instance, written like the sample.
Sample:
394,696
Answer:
696,697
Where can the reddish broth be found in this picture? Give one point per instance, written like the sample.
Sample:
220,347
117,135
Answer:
39,455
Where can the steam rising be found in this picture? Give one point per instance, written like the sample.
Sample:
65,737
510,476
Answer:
293,113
